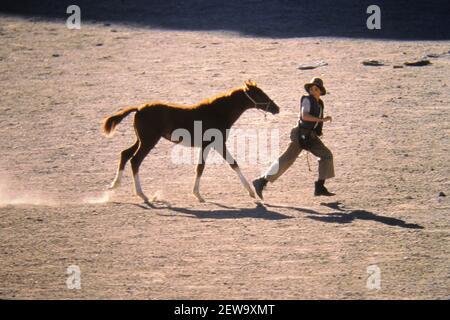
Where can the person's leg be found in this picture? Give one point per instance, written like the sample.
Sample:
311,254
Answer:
278,167
326,166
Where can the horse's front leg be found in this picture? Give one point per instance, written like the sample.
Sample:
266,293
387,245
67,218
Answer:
196,190
199,171
233,164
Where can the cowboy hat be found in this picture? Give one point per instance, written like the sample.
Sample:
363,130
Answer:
316,82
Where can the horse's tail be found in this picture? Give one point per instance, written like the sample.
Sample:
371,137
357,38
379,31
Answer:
110,123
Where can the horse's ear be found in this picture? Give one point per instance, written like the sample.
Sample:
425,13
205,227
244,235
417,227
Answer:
249,83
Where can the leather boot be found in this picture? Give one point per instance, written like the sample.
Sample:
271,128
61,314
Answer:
259,185
320,190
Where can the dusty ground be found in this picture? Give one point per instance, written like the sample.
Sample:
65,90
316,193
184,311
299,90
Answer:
390,138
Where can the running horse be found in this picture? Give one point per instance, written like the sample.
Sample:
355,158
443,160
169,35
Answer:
155,120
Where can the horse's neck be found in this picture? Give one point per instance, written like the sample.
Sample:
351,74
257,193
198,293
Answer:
238,105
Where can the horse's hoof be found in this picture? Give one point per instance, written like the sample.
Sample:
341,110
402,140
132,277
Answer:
199,198
114,185
143,197
150,204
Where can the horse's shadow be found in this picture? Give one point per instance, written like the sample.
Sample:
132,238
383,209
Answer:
343,215
226,212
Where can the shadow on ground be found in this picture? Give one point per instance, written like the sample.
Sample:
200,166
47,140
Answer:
400,19
258,212
344,215
263,211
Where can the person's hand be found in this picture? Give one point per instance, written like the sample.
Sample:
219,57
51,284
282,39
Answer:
327,118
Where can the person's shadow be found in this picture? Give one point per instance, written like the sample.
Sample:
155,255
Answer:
344,215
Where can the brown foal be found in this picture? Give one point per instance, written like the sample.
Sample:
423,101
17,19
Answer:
155,120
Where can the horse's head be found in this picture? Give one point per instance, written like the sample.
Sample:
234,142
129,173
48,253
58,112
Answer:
258,99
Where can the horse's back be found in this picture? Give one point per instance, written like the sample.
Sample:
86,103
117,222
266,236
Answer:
173,121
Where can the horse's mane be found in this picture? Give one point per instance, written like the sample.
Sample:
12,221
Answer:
216,99
204,103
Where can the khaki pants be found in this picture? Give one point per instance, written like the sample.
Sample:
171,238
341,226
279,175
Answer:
279,166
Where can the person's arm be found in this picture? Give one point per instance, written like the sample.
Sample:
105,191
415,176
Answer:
306,116
306,106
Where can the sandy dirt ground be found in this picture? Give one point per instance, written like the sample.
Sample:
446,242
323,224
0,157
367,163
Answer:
390,138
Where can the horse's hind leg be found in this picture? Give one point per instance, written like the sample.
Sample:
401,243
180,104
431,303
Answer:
144,148
203,154
233,164
125,155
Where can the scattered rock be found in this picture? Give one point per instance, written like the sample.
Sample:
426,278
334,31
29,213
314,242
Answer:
441,196
397,66
113,30
313,65
55,55
418,63
437,55
433,55
373,63
99,44
384,116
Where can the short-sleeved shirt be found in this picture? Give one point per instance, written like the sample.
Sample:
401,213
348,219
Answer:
306,108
